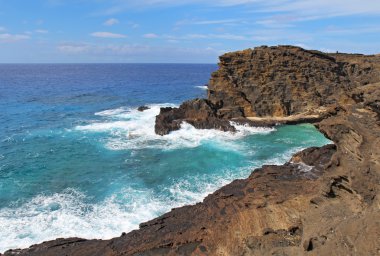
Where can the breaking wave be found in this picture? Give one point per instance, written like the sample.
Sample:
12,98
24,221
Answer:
203,87
71,213
131,129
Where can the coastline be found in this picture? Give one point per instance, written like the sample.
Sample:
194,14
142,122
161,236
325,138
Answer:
315,203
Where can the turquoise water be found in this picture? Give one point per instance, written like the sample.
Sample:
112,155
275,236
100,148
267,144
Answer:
78,159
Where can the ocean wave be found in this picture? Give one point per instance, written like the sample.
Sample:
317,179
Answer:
111,112
203,87
132,129
69,214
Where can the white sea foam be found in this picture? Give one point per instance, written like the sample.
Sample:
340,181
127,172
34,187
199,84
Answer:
203,87
132,129
70,214
111,112
67,214
107,126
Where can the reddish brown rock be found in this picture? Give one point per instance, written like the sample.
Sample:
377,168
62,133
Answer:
274,82
143,108
324,201
287,80
200,113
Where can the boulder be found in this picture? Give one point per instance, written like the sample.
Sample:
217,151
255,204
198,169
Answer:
143,108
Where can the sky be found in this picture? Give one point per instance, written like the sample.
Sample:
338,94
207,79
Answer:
179,31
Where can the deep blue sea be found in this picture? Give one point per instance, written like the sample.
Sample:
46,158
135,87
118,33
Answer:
78,159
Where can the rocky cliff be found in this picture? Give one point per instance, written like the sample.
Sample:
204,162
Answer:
324,201
285,80
269,85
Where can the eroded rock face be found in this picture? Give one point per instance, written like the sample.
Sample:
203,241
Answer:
277,81
324,201
201,113
287,80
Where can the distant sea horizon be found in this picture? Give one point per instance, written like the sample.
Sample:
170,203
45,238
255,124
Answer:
105,63
77,159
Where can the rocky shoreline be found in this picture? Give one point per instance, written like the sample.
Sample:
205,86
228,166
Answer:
324,201
266,86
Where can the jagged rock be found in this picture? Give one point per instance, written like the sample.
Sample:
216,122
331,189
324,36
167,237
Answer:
288,80
275,85
331,208
368,96
143,108
201,113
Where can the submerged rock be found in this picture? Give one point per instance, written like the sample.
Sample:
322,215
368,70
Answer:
143,108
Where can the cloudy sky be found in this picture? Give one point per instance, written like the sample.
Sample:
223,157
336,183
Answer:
187,31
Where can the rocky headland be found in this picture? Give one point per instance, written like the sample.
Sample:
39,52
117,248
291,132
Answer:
266,86
324,201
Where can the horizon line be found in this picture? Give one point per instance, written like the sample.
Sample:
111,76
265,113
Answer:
71,63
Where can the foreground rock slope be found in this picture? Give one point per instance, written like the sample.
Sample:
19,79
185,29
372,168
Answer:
324,201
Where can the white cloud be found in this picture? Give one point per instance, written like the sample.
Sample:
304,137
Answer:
41,31
2,29
133,25
111,22
210,22
74,47
150,35
317,8
225,36
330,8
107,35
270,36
7,38
139,53
276,22
353,30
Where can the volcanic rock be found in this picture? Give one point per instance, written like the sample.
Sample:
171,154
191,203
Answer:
143,108
287,80
266,86
201,113
324,201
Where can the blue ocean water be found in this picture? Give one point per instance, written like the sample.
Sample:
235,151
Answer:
78,159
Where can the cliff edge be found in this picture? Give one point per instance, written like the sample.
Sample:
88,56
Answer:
265,86
324,201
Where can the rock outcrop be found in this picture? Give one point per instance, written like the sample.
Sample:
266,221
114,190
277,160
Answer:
324,201
270,85
286,80
143,108
201,113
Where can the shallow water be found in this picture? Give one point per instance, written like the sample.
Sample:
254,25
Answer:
78,159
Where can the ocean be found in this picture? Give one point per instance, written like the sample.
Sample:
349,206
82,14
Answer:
78,159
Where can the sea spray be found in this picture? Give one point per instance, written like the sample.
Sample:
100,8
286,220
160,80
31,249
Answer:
78,160
132,129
